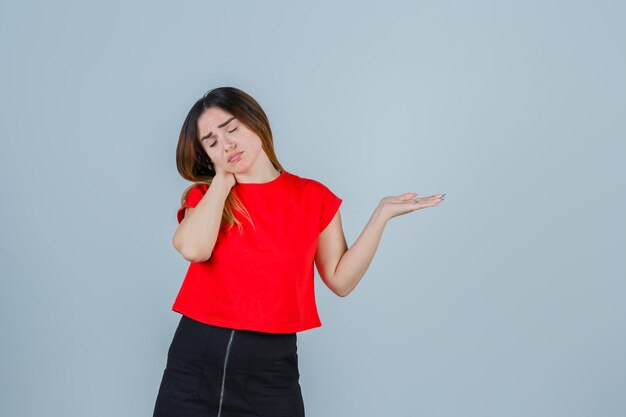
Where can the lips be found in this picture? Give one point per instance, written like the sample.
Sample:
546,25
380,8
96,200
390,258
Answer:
233,156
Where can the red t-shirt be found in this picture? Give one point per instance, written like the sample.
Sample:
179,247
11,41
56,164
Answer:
261,279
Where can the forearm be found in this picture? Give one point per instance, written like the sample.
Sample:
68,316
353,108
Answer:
198,232
357,259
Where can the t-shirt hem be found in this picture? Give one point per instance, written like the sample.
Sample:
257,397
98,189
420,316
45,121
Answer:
245,326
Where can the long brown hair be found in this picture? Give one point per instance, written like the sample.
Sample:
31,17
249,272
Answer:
192,161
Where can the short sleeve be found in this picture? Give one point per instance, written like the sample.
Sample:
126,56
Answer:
329,204
194,196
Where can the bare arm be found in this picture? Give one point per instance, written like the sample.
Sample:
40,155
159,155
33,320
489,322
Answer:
341,268
197,233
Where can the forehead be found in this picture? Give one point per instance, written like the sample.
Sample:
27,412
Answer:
211,118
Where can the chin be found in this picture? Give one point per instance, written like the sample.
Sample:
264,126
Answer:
240,168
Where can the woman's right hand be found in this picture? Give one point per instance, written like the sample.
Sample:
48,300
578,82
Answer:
225,177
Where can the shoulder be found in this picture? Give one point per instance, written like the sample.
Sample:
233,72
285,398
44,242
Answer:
308,184
190,198
193,192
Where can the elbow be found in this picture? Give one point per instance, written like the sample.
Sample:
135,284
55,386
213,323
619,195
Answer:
342,292
191,254
195,255
337,286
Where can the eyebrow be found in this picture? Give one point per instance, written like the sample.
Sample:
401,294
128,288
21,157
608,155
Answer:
208,135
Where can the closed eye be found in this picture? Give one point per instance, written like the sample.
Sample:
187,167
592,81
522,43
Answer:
230,131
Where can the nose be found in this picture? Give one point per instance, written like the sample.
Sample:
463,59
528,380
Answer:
229,148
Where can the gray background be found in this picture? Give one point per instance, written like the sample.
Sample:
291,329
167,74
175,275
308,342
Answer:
506,300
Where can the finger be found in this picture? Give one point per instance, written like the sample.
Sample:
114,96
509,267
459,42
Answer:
425,202
435,198
407,196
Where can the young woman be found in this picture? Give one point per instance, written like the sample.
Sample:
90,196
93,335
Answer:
251,231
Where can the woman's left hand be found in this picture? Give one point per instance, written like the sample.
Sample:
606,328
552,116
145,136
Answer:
393,206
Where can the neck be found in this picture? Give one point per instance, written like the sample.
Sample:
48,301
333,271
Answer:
259,176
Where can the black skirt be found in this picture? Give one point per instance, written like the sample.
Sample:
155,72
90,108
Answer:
222,372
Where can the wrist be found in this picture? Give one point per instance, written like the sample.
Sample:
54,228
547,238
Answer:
378,216
221,183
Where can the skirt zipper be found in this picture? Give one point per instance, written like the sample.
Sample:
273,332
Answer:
232,333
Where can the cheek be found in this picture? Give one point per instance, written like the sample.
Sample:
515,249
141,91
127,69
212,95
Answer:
210,152
255,143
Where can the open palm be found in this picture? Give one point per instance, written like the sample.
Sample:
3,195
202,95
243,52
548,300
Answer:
393,206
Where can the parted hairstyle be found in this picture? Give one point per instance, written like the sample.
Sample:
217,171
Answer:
192,161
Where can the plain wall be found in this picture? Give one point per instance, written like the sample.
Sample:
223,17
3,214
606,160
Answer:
508,299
